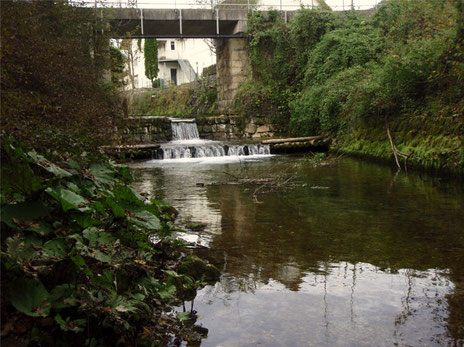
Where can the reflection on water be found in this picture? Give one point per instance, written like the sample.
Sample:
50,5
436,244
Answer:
347,305
368,260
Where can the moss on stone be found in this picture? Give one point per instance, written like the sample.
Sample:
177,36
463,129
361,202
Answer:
198,269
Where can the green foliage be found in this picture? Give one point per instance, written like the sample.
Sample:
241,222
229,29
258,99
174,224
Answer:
150,53
342,49
54,57
320,109
79,248
117,66
322,73
197,98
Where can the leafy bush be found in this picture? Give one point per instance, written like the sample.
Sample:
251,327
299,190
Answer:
52,92
341,49
323,108
79,262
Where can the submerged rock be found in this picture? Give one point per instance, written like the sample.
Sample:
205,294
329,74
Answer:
198,269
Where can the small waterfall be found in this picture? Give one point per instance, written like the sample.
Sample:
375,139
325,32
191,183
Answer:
182,146
184,129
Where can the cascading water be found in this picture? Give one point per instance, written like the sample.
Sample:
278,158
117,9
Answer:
184,130
186,143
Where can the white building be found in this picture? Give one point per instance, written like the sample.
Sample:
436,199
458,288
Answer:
179,61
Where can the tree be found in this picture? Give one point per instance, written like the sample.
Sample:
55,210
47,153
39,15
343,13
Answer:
117,66
53,61
150,52
126,45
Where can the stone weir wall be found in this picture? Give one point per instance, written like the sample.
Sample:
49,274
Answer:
150,129
145,130
233,127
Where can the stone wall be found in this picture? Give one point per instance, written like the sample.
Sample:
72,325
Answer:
146,130
150,129
220,127
233,127
233,68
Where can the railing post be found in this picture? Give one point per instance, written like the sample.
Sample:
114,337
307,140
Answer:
217,21
180,21
141,21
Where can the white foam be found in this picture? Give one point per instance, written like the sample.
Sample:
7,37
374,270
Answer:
204,160
188,142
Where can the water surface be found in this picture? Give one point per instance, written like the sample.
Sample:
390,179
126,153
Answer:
344,255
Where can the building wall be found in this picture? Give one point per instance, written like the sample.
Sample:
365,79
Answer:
165,72
196,51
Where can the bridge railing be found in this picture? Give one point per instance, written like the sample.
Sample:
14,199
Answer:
281,5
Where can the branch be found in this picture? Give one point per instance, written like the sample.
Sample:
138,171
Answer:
392,144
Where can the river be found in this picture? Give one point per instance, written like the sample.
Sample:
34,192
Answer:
347,254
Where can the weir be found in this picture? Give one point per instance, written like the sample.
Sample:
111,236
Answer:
186,143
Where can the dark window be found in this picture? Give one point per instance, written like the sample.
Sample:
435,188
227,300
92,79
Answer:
173,45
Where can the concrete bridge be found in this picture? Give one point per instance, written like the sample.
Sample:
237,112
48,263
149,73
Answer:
226,26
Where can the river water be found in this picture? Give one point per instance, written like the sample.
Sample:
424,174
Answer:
346,254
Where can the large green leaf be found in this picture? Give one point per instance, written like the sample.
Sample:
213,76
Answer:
30,297
85,219
68,199
62,296
49,166
19,177
82,265
102,173
97,237
55,248
41,228
117,210
100,256
145,219
22,249
23,211
75,326
104,280
128,195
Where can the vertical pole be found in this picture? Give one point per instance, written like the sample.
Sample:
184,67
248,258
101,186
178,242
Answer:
217,21
180,21
281,5
286,19
248,5
141,21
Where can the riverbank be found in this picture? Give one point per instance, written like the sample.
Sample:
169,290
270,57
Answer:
387,87
421,142
87,260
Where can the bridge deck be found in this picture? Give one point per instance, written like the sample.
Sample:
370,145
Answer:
180,23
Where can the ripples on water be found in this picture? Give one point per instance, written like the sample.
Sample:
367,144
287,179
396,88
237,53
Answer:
349,256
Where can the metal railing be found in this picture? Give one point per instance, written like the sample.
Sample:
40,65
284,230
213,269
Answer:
281,5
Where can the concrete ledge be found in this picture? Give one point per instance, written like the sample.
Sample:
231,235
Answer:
125,152
293,139
299,144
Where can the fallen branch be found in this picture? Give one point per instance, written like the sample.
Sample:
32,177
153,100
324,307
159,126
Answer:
392,144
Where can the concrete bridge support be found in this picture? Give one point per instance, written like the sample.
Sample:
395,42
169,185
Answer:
233,68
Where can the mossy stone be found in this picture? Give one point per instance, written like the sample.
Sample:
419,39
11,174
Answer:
198,269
